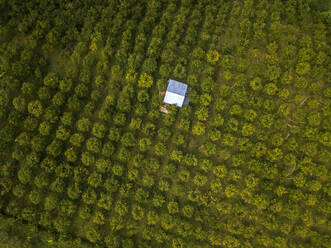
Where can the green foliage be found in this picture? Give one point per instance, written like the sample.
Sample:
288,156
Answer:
98,130
212,57
145,80
86,152
84,125
54,148
94,179
93,145
35,108
87,159
67,118
62,133
76,139
19,103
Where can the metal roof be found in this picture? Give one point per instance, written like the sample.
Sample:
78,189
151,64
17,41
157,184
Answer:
177,87
186,101
176,92
172,98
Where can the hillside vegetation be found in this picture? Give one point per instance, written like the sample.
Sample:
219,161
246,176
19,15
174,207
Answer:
88,160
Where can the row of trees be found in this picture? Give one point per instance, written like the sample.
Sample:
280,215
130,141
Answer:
82,139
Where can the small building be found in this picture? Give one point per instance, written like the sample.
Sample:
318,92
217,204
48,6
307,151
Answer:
176,93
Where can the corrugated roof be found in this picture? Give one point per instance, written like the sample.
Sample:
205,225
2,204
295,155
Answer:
177,87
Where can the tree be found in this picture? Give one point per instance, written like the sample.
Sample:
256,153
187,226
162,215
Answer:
70,154
144,144
176,155
160,149
250,115
108,149
19,103
178,243
41,180
74,191
173,207
119,119
200,180
117,169
273,72
30,123
152,217
148,181
54,148
87,158
270,89
93,145
44,93
212,57
35,108
98,218
27,88
158,200
208,85
219,171
19,190
62,133
178,139
127,243
76,139
145,80
51,202
214,134
128,139
83,125
227,61
57,185
84,212
58,99
179,71
65,85
114,134
143,96
230,190
123,102
135,123
81,90
95,179
188,211
52,114
165,70
275,154
208,149
23,139
302,68
67,118
202,114
137,212
167,222
61,224
248,130
89,196
105,201
121,208
198,128
35,197
149,65
74,104
164,133
98,130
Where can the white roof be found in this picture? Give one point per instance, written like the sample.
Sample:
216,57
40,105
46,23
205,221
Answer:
173,98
